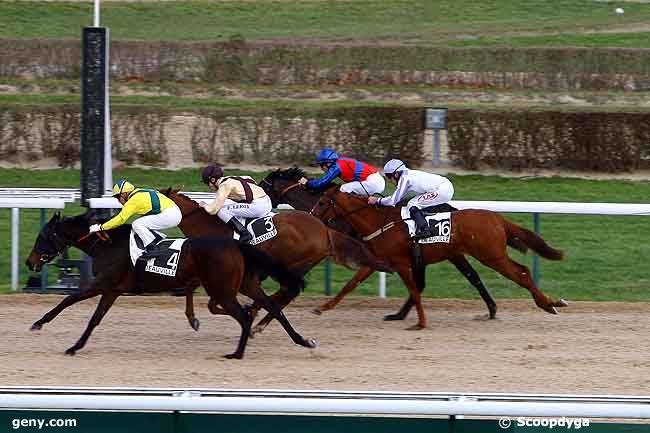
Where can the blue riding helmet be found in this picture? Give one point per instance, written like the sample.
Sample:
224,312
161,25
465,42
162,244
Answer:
327,156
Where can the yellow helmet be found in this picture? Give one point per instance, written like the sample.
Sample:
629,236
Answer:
121,186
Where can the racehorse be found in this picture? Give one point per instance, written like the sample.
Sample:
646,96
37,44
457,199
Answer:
482,234
283,187
223,266
302,241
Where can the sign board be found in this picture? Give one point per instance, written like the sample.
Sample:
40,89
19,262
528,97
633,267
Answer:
435,118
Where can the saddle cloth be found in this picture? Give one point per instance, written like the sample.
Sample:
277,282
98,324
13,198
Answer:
262,229
166,260
439,225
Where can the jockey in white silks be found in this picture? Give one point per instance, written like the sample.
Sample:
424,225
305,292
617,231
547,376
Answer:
237,196
430,189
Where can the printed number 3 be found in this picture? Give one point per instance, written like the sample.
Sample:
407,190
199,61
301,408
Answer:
268,223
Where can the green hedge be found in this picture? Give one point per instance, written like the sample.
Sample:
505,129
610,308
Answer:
273,63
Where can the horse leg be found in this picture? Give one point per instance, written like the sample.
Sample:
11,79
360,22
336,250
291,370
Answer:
403,311
472,276
258,295
243,317
105,303
415,295
521,275
189,308
69,300
361,275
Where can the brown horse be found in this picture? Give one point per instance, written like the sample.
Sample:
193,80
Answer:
283,187
302,242
481,234
222,265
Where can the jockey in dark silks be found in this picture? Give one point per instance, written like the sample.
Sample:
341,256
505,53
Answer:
360,178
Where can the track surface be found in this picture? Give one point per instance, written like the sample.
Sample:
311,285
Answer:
146,341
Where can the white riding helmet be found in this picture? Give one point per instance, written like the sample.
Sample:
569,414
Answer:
394,166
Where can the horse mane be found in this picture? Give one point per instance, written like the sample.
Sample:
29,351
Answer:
293,173
168,191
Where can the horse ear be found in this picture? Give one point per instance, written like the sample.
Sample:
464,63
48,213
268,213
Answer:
90,215
166,191
56,217
178,188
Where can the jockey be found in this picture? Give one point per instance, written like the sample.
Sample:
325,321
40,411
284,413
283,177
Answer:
361,178
156,211
431,190
236,196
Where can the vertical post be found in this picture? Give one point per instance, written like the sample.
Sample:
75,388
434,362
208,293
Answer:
436,147
44,283
328,277
382,284
96,14
536,276
15,239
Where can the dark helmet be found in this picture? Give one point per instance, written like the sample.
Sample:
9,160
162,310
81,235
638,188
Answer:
213,170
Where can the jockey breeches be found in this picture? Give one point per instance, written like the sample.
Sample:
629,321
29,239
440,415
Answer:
170,217
374,184
443,194
255,209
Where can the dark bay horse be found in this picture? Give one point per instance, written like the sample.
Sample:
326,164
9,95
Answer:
283,187
302,242
481,234
223,266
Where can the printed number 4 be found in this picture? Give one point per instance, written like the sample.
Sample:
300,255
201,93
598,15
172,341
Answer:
173,261
443,228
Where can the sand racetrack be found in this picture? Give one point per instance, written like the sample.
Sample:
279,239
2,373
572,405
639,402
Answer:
590,347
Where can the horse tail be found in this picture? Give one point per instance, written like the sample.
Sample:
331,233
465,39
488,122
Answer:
258,261
518,235
352,253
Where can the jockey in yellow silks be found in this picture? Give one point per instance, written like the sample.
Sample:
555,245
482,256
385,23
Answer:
156,211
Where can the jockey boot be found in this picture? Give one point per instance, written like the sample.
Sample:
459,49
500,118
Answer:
153,248
422,229
244,234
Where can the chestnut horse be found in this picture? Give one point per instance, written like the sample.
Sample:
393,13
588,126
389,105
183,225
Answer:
482,234
222,265
283,187
302,242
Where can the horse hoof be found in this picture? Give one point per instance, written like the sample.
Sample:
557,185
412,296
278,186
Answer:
391,317
195,324
484,317
561,303
317,311
70,352
311,343
36,327
552,310
234,356
416,327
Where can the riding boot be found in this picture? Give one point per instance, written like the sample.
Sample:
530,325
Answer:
422,229
244,234
153,248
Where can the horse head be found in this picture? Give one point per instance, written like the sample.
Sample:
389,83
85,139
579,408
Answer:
282,186
55,237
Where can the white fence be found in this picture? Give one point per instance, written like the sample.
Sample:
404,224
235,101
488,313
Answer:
17,203
536,208
326,402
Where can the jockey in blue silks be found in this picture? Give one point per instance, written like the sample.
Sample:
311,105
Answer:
359,177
